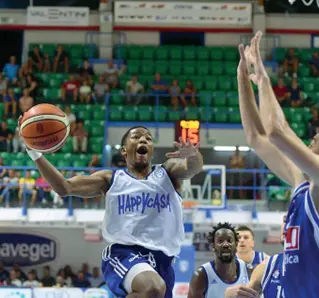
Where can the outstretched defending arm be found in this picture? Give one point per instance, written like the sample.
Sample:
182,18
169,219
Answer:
256,136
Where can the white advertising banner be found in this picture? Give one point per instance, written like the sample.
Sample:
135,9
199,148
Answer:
178,12
57,293
15,293
58,16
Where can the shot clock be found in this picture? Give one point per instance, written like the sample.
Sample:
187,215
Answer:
188,129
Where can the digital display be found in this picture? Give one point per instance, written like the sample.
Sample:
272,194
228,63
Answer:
188,129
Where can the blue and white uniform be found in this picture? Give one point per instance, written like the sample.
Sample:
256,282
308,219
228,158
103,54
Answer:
216,287
271,282
144,223
258,258
301,261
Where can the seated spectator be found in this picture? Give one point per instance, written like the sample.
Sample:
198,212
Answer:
314,64
13,280
46,63
26,102
61,57
81,281
281,92
27,186
189,94
159,87
134,90
17,142
294,94
85,270
86,71
31,282
5,137
20,274
3,172
4,274
3,85
37,58
11,70
291,63
71,118
80,138
100,90
10,103
175,92
43,189
32,85
96,279
69,275
70,88
313,123
47,279
95,162
85,92
24,71
12,183
111,74
60,283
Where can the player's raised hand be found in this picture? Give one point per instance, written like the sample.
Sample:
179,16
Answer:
241,291
243,66
185,150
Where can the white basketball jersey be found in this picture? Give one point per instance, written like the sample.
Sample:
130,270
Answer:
216,286
146,212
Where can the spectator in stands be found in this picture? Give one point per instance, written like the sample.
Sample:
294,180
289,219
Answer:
26,101
175,92
69,275
24,71
47,279
5,137
4,274
71,118
86,270
61,57
281,92
13,280
134,90
313,123
86,71
294,94
60,283
118,161
31,282
3,85
189,94
10,103
96,279
20,274
80,138
159,86
70,88
112,73
291,63
43,189
94,162
85,92
17,142
100,90
11,70
37,58
27,186
81,281
32,85
236,161
46,63
314,64
11,181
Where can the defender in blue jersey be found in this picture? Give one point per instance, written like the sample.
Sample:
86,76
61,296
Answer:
290,159
245,248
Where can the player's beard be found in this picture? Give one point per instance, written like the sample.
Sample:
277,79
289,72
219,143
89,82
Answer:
225,260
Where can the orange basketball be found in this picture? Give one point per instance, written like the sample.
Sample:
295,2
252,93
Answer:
44,128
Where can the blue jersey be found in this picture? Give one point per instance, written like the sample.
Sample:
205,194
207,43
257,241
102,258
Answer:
271,283
301,261
258,258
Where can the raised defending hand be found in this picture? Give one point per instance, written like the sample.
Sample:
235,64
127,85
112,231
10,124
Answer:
241,291
244,64
185,150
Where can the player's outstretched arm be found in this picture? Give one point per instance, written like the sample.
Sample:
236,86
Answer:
184,163
256,136
198,284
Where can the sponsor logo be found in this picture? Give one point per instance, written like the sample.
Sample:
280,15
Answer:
292,238
276,274
214,282
159,173
26,249
183,265
293,259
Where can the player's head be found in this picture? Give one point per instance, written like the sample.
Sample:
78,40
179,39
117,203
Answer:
137,147
224,241
246,241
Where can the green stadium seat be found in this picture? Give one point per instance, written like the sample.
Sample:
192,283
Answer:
97,128
145,113
55,83
77,163
306,114
161,53
133,66
48,49
230,54
309,86
219,98
231,68
76,51
148,53
305,55
189,68
174,115
210,83
224,83
198,83
129,113
116,96
206,114
115,113
161,67
98,112
216,68
307,142
84,114
67,147
220,114
202,53
295,114
147,67
279,54
134,52
176,53
174,68
96,145
120,51
202,68
232,98
304,71
64,163
12,124
189,53
191,113
234,115
205,98
216,54
17,163
161,113
300,129
51,94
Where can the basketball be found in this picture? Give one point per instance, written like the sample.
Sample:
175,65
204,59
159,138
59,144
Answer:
44,128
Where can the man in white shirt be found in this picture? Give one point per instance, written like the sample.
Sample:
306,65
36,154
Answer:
31,282
134,90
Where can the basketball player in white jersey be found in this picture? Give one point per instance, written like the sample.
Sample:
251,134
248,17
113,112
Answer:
143,219
245,248
213,278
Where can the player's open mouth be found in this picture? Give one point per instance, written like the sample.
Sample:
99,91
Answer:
226,253
142,150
